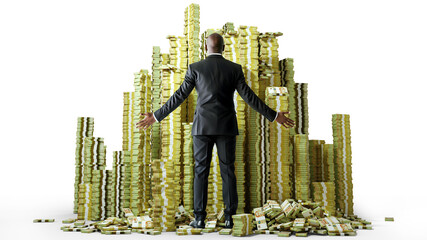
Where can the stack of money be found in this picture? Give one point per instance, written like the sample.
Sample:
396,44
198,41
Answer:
127,167
85,202
342,159
324,192
85,127
302,167
280,162
248,50
188,162
99,197
140,152
328,163
191,32
215,202
156,86
128,120
115,191
340,230
301,108
316,162
242,225
232,53
287,73
171,148
156,189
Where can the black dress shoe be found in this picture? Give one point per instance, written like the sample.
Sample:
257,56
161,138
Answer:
198,223
228,221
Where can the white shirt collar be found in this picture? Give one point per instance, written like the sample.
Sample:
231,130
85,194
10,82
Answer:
214,54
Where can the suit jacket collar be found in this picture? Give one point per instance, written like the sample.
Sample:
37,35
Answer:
214,56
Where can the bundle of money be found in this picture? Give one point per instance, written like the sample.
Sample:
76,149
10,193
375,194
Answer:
85,202
189,231
115,188
156,86
260,218
302,167
99,196
301,108
85,128
342,159
328,163
242,224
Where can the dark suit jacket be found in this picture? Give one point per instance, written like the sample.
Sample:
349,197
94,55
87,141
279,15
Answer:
215,79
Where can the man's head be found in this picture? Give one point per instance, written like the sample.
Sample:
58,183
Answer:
214,43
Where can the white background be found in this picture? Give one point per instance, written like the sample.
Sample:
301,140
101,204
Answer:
64,59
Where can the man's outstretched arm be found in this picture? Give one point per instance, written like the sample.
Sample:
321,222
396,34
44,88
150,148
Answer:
173,102
256,103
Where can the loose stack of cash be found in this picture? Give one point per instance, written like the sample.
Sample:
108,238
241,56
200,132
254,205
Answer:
156,99
85,127
242,225
192,31
188,162
302,167
280,162
342,149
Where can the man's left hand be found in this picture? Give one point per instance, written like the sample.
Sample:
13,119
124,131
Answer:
147,121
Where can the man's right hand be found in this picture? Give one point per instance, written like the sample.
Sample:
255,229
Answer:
285,121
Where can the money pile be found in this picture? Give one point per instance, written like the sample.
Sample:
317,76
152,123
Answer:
280,162
340,230
157,187
85,127
188,162
302,167
242,225
99,196
127,166
301,108
215,202
248,57
324,192
156,86
328,163
316,160
342,160
115,191
260,218
85,202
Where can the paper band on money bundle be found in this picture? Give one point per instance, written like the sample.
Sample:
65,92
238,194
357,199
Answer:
324,192
280,161
188,162
85,127
242,225
302,167
342,158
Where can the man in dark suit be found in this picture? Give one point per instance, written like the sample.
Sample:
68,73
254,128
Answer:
215,79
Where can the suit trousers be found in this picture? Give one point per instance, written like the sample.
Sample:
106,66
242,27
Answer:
202,147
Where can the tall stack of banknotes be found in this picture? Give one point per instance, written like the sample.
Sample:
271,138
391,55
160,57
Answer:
242,225
115,190
302,167
156,88
301,108
280,177
85,127
342,161
316,161
328,163
324,192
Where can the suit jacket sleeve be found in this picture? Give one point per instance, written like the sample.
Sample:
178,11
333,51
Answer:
178,97
252,99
